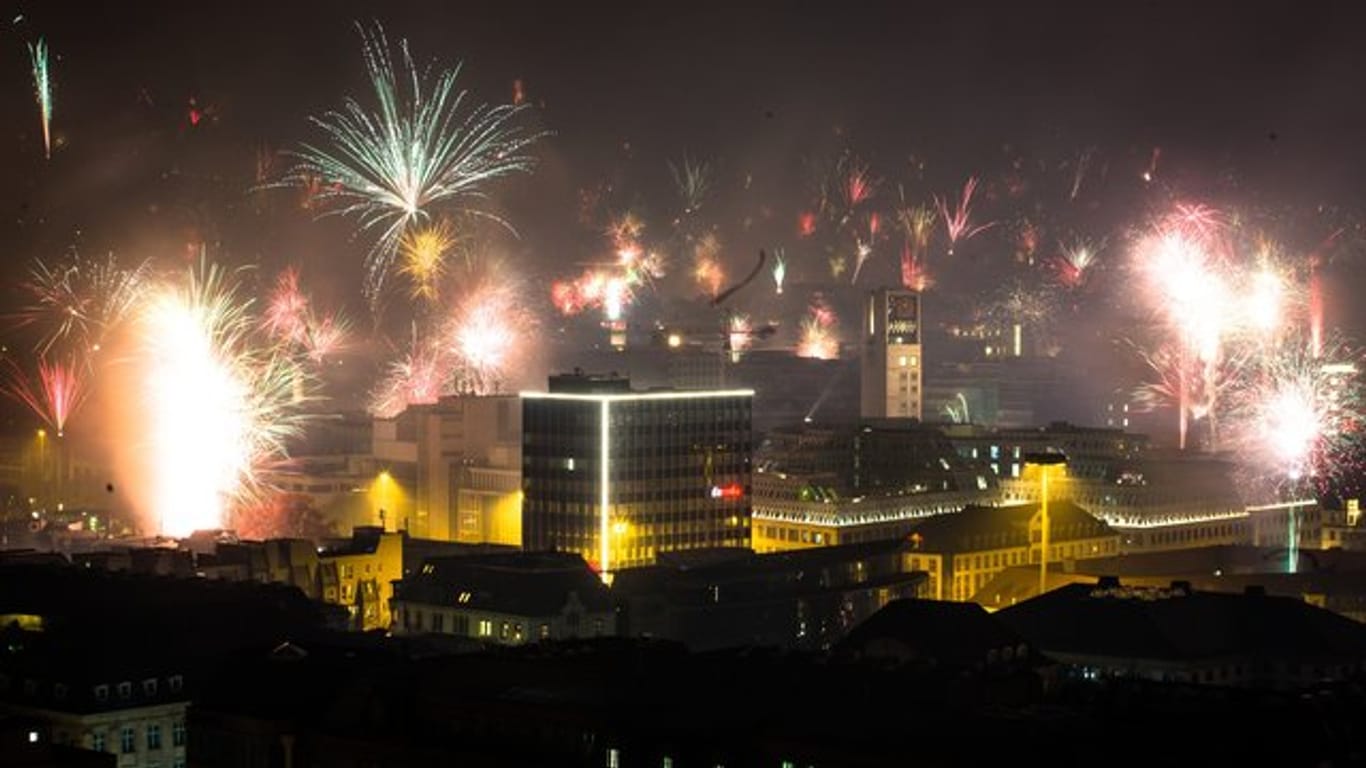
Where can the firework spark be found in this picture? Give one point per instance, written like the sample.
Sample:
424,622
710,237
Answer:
739,335
42,89
958,222
421,146
326,337
220,405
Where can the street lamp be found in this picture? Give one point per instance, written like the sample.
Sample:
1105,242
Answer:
1044,461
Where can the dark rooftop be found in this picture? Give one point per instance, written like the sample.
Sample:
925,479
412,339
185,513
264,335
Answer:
977,528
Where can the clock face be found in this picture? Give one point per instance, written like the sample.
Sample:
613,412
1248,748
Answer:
903,319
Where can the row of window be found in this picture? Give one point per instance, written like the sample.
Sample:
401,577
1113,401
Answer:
128,738
174,683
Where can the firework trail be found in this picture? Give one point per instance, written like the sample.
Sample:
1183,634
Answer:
421,146
819,332
42,89
914,275
958,222
857,186
423,254
59,392
779,270
1079,170
220,405
863,249
917,226
693,182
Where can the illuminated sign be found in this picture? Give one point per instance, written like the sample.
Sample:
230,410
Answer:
732,491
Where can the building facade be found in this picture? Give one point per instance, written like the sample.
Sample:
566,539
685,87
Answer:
891,367
619,476
505,598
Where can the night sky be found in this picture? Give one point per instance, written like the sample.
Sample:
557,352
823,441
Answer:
1255,108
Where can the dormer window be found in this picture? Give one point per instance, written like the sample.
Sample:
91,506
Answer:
176,682
125,690
149,687
101,693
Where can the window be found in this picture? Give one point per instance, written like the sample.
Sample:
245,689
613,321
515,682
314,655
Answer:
438,622
154,737
125,690
485,628
176,682
97,741
149,687
613,758
545,631
179,762
178,733
101,693
126,740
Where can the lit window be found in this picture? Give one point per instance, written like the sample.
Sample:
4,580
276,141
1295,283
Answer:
613,758
901,361
485,628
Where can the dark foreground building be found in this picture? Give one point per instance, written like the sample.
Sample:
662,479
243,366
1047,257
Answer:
805,599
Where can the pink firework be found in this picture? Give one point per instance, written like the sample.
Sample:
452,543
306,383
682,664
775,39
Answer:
958,221
486,337
806,224
286,316
418,377
326,337
1074,264
857,186
59,391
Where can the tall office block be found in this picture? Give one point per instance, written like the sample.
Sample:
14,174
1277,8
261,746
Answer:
620,476
891,365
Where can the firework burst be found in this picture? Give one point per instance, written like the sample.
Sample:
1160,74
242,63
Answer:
693,182
779,270
79,302
423,253
1076,261
421,146
220,405
819,332
487,336
419,376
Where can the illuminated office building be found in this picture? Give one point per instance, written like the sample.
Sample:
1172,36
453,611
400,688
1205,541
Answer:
619,476
892,367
